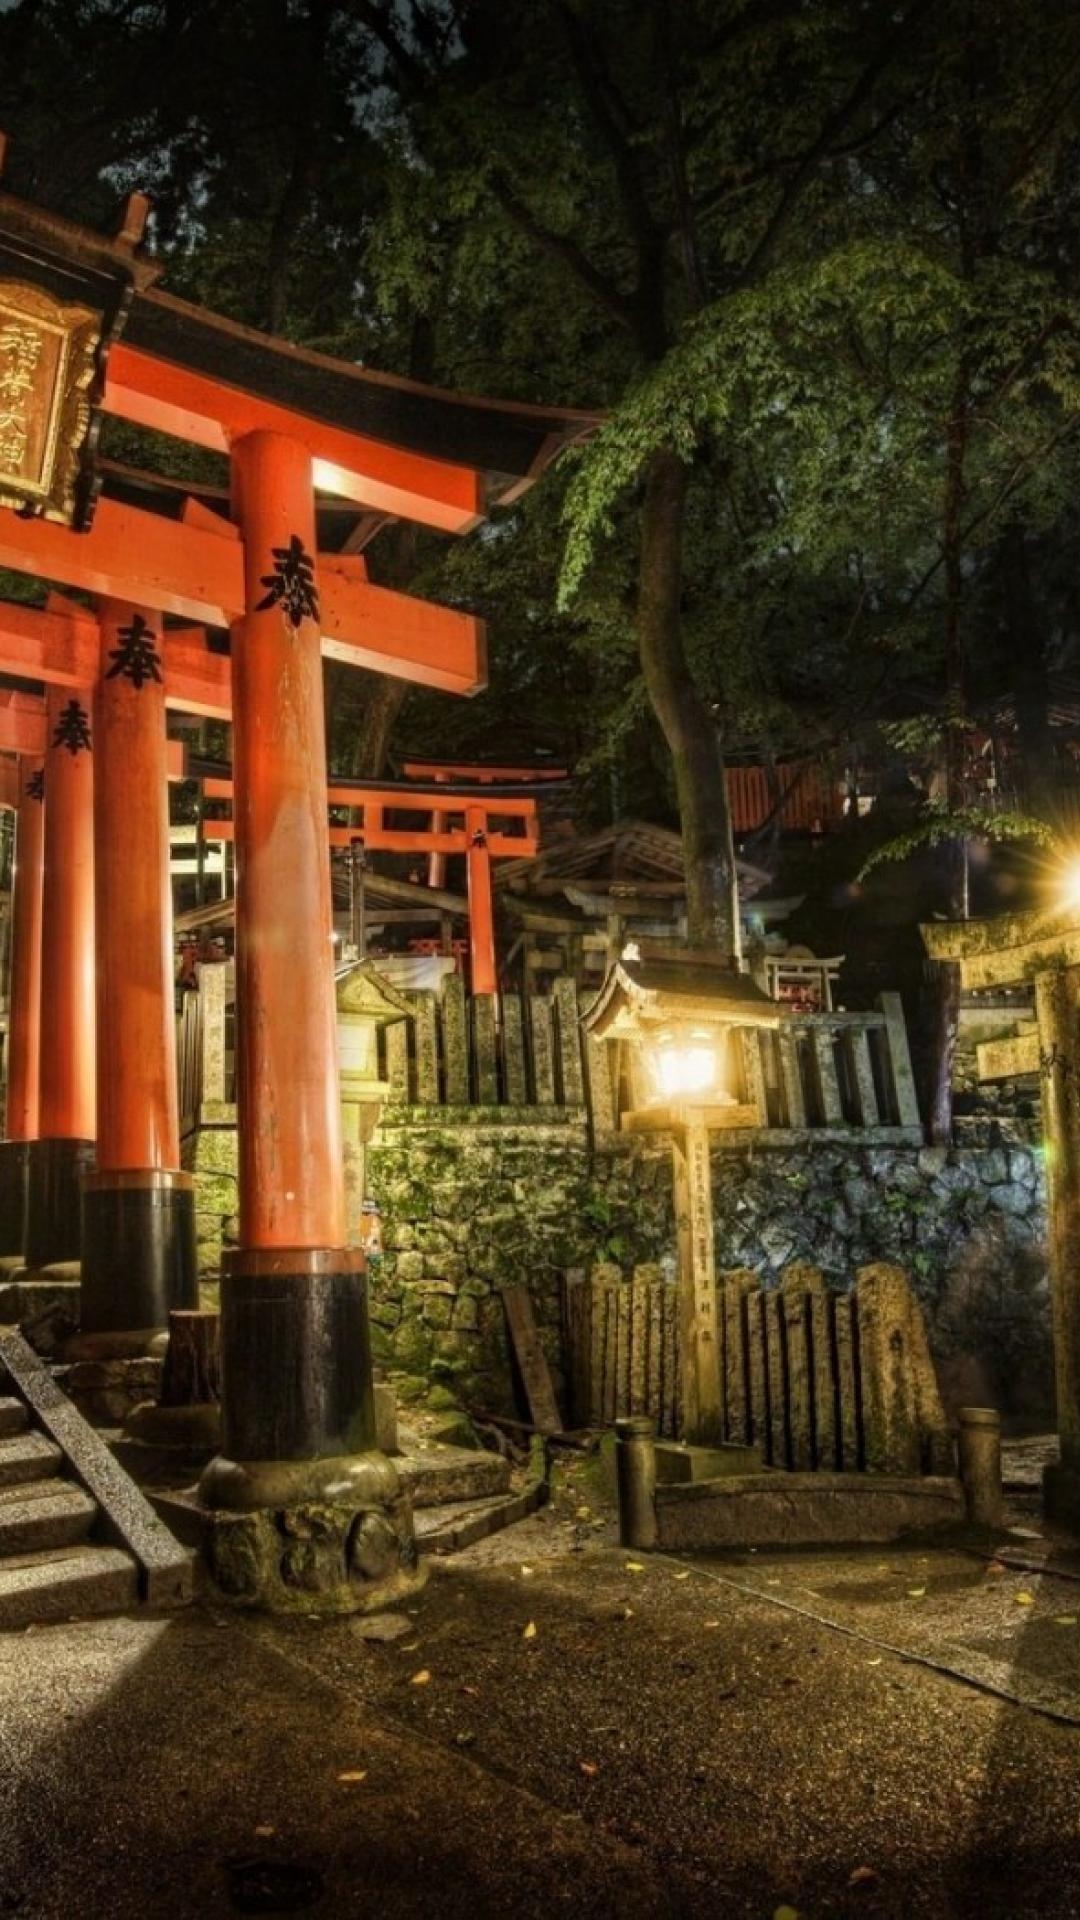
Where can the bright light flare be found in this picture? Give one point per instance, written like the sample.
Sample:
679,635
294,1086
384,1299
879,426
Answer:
1070,884
685,1065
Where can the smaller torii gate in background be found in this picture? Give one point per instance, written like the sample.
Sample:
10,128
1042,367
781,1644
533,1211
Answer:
1042,948
455,773
475,836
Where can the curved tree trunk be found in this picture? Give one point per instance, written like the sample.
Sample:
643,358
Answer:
688,725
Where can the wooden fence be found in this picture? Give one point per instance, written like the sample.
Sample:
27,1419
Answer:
827,1075
814,1379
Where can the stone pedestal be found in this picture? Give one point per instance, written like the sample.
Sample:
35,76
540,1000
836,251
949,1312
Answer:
322,1536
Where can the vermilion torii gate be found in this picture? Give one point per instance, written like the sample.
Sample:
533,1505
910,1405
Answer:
452,773
476,837
297,1413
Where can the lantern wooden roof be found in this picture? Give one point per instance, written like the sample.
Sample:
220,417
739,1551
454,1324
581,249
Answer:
683,988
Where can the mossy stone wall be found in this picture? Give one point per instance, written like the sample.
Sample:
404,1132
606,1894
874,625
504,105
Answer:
473,1201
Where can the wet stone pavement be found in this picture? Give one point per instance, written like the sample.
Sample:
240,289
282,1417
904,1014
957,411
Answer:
559,1726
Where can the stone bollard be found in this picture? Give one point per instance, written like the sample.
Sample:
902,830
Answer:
980,1464
635,1472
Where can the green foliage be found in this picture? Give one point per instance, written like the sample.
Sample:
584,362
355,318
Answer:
941,826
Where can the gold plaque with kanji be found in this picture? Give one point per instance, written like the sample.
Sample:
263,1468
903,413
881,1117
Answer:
46,373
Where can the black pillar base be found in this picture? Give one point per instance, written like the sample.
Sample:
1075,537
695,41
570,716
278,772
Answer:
295,1355
138,1249
14,1171
54,1200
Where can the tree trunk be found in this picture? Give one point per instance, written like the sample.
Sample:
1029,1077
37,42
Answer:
688,726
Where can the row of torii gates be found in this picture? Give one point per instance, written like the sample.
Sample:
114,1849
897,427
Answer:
92,1074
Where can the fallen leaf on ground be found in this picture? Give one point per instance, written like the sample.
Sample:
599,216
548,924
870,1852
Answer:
529,1632
876,1661
354,1773
588,1767
685,1575
1024,1599
786,1913
1064,1619
916,1593
583,1513
420,1679
635,1566
996,1566
710,1623
862,1877
265,1833
474,1691
526,1571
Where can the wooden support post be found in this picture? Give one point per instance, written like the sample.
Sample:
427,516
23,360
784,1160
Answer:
832,1112
425,1027
699,1344
455,1041
513,1051
791,1078
571,1072
65,1147
1057,1011
138,1207
485,1059
903,1077
863,1076
484,978
295,1344
24,1006
542,1047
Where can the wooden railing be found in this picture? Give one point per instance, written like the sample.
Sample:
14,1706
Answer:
814,1379
823,1076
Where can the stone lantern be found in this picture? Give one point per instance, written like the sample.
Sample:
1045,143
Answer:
682,1015
366,1003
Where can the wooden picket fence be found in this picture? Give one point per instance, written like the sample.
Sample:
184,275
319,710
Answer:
814,1379
828,1075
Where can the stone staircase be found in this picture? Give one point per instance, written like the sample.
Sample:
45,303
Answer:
77,1538
50,1567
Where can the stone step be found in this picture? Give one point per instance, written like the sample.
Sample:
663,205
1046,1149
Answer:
12,1418
69,1584
436,1475
30,1490
27,1457
62,1517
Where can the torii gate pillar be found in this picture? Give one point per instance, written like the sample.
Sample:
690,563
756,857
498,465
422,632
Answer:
298,1422
24,1017
138,1257
66,1117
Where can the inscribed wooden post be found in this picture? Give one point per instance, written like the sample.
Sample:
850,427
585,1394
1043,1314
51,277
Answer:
698,1339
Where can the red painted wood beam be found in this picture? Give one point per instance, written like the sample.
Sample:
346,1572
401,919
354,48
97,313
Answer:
501,846
195,572
440,770
191,406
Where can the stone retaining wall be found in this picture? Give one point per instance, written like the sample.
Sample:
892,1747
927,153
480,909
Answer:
478,1200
